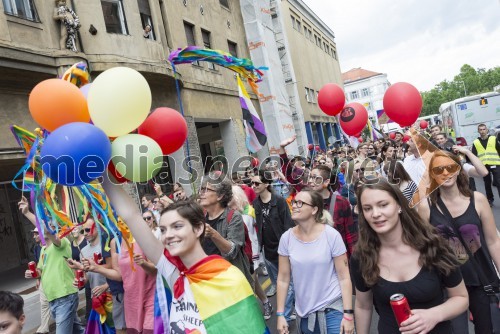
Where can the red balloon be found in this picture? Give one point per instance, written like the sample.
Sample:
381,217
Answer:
255,162
406,138
402,103
353,118
360,139
423,124
167,127
118,177
317,147
392,135
357,134
331,99
310,147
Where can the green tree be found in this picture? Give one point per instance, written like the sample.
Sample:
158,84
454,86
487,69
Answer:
468,82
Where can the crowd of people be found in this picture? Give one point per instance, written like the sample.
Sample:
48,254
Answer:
387,217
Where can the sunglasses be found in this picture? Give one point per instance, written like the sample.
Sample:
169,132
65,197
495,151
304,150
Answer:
316,179
300,203
359,170
85,230
254,183
450,168
147,218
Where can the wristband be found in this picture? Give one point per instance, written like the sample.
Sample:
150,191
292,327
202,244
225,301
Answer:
280,314
349,311
348,319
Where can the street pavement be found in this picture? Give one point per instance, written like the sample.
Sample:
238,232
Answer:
32,302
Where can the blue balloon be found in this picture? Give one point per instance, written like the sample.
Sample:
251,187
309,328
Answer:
75,154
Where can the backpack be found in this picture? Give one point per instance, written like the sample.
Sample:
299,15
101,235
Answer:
247,248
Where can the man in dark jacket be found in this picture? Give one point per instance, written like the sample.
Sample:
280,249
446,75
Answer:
273,218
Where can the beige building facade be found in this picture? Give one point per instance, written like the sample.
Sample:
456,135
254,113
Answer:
310,60
112,33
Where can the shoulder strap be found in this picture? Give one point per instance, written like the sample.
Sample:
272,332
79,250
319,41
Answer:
482,277
229,216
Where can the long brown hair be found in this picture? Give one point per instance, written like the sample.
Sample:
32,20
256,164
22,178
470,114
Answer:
462,178
435,253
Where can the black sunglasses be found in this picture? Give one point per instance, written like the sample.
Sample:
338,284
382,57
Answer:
147,218
254,183
87,229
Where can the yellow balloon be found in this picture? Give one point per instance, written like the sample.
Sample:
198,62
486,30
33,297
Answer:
136,157
119,101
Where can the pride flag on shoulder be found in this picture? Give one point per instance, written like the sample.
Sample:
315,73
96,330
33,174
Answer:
254,128
222,295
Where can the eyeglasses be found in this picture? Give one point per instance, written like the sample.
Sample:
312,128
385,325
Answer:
254,183
317,179
147,218
205,190
85,230
300,203
453,168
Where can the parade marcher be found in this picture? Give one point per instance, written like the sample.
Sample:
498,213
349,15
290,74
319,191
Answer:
337,206
44,303
12,317
487,149
150,219
147,202
224,230
78,241
460,214
240,203
199,279
396,174
398,253
322,283
179,194
293,169
56,278
273,218
139,285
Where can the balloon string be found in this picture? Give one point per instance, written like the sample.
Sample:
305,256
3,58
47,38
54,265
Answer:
182,113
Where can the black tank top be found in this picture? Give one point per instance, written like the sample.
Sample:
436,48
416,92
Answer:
469,225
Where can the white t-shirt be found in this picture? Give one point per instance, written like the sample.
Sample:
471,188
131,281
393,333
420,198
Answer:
184,314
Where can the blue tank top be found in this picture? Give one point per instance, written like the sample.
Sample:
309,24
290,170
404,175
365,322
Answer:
469,226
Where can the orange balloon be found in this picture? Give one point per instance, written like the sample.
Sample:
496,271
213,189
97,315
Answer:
55,102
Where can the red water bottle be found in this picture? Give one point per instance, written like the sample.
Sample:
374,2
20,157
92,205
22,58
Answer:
400,307
79,276
97,258
32,268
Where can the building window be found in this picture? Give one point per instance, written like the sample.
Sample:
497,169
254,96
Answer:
318,40
369,106
189,30
233,48
327,49
307,33
334,54
308,95
295,23
354,95
114,16
205,35
146,20
24,9
224,3
365,92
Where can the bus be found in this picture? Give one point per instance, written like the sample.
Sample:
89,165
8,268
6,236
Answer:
462,116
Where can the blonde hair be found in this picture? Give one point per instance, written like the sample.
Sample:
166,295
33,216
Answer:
239,199
326,218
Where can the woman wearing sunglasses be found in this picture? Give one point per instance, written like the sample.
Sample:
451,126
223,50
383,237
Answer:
150,219
314,255
452,207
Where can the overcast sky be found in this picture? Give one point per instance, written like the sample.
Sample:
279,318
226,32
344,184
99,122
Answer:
421,42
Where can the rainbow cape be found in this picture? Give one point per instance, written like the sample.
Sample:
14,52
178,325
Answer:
224,307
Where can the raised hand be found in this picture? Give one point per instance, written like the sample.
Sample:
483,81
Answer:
288,141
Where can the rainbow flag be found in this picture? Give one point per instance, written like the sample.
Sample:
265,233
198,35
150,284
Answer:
224,298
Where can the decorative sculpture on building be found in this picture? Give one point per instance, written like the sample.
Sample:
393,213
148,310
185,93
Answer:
69,25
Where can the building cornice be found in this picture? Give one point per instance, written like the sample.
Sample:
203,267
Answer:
311,16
